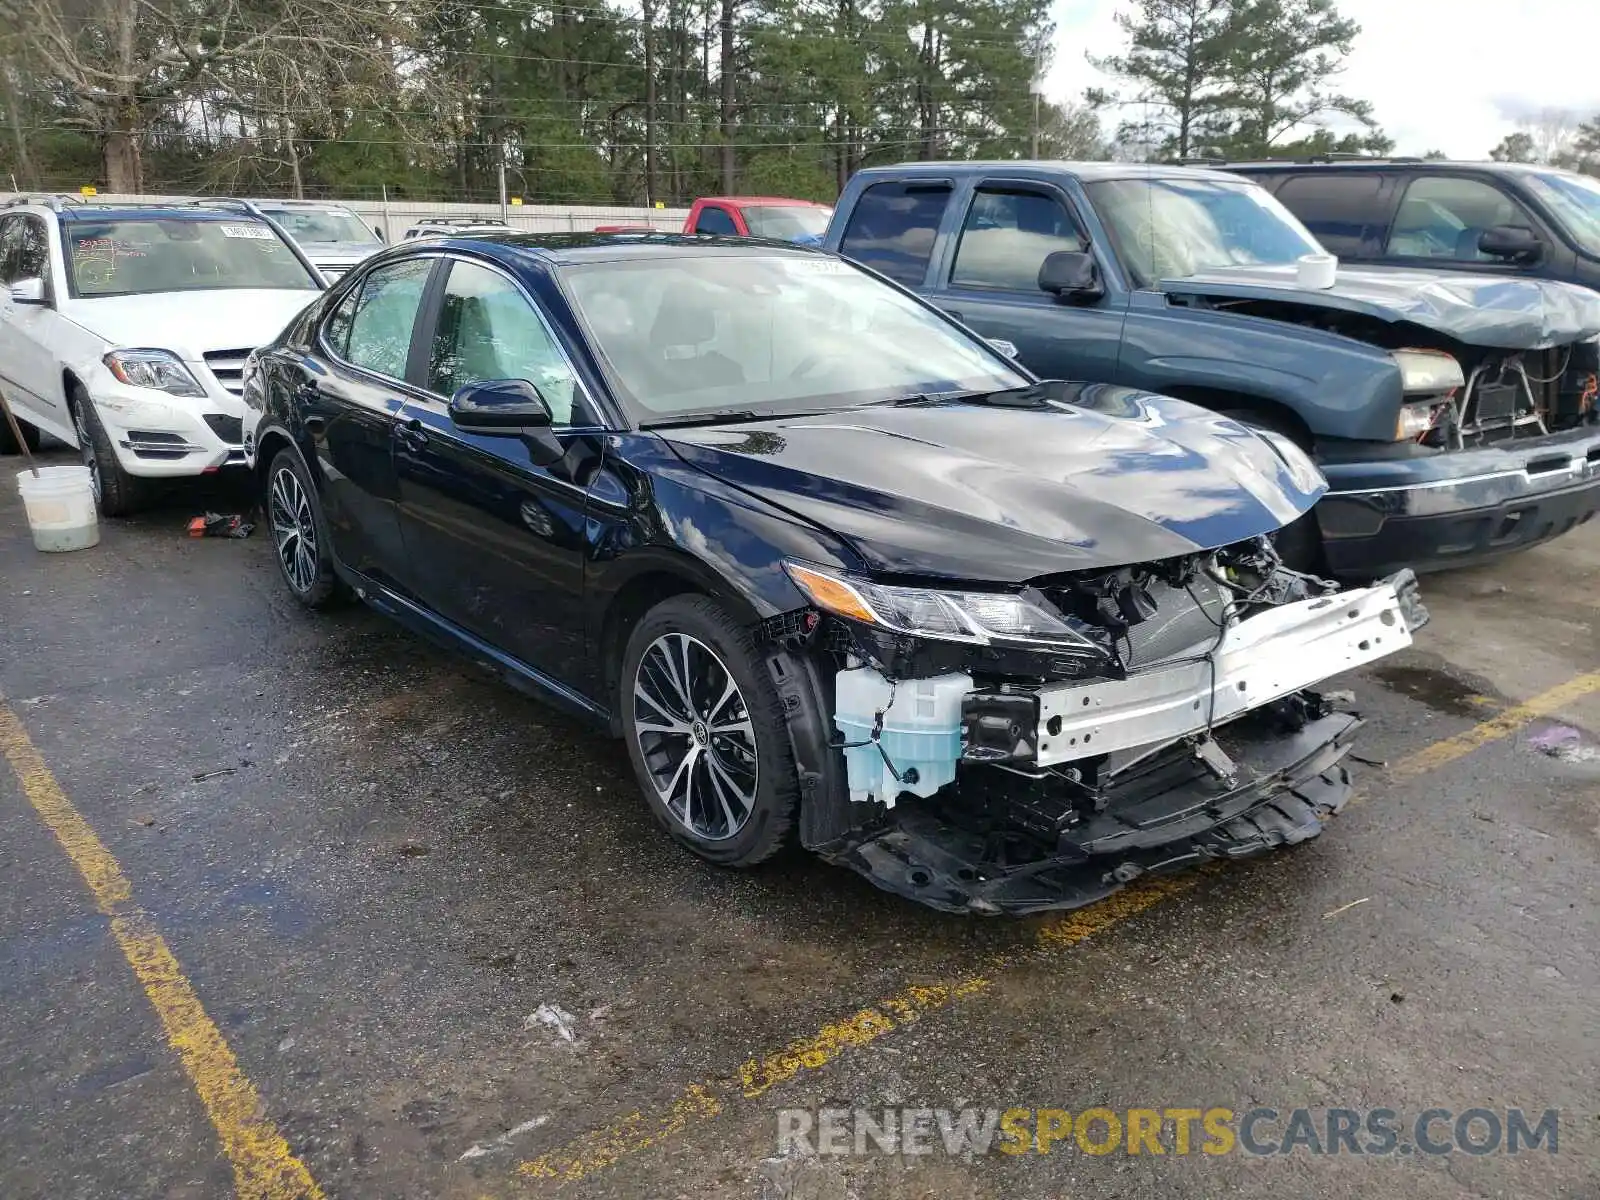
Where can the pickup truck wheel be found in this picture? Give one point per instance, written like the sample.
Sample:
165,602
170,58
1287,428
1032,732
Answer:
1298,543
706,733
116,492
8,443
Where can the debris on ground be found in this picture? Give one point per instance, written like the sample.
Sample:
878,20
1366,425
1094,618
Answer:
555,1017
230,525
481,1149
1345,907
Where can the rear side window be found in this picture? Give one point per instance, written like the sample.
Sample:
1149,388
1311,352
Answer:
380,328
1344,211
1007,236
893,229
10,248
1443,216
714,220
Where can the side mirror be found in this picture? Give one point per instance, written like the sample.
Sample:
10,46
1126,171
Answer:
1515,242
28,291
1071,275
378,233
509,408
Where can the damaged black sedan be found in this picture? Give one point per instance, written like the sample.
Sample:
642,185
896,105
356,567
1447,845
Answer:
831,566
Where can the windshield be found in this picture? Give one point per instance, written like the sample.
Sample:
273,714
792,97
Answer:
780,332
788,222
1575,200
326,225
1173,228
129,258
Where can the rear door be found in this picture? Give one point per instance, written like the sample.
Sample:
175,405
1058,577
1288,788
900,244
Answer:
495,542
989,280
350,410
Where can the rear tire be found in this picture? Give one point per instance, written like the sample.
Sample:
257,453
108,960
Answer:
300,533
118,493
706,733
1298,543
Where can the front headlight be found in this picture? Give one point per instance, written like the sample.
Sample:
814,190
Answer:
979,618
1428,372
159,369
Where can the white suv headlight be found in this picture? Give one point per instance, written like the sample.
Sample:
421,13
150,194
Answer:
159,369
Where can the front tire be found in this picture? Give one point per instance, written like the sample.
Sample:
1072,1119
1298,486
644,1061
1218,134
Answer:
706,733
118,493
300,533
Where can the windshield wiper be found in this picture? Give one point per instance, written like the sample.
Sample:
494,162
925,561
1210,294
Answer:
716,416
1022,396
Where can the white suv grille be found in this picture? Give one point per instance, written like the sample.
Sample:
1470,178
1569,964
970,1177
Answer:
228,367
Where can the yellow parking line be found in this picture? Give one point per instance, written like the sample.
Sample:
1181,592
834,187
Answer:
1431,758
264,1167
700,1102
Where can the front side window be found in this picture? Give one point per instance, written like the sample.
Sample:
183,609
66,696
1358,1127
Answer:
1575,201
1007,236
379,337
1173,228
143,255
893,229
787,222
487,330
780,333
1443,216
715,220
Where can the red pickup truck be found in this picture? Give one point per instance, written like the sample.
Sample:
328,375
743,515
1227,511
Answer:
760,216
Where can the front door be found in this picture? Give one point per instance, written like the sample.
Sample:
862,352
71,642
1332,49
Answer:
992,282
494,541
29,372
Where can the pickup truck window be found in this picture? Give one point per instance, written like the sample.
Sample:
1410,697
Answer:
1007,234
1340,209
1443,216
715,220
1174,228
893,229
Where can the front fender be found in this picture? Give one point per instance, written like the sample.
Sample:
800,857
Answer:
1339,386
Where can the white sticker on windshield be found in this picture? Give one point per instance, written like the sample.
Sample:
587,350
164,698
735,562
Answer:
822,266
255,233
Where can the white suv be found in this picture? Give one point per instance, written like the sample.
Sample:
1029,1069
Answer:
124,331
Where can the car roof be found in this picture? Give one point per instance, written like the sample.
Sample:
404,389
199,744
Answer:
152,212
779,201
1490,167
1087,172
571,249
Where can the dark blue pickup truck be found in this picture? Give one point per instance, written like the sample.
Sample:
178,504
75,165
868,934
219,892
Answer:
1454,415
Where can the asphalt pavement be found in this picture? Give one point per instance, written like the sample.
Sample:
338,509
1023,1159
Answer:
296,905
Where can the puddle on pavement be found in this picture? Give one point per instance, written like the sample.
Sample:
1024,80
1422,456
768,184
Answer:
1439,691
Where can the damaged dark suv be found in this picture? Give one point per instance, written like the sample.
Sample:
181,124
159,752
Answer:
827,562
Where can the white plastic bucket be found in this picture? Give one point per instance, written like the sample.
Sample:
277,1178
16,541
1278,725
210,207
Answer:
60,505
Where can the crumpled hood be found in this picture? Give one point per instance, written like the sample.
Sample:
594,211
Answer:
1004,494
192,323
1508,313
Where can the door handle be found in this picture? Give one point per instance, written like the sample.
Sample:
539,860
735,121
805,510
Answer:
412,434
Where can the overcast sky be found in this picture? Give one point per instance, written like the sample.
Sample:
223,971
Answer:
1449,75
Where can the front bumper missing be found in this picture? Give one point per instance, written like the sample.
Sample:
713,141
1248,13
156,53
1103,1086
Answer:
1286,787
1271,655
